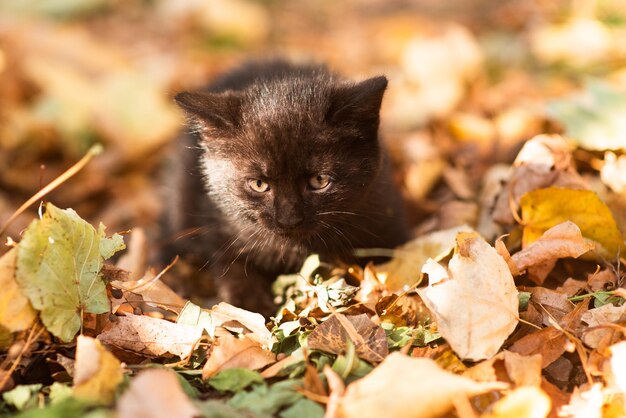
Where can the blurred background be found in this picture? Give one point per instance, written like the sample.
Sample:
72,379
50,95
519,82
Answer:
470,80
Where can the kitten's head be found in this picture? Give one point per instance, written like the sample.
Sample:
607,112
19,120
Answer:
292,157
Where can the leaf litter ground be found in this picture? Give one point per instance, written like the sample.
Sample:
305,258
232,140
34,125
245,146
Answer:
519,315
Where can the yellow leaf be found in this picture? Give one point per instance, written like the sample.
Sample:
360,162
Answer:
16,312
544,208
97,372
524,402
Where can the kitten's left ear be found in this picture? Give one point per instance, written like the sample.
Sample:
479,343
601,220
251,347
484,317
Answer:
359,101
217,110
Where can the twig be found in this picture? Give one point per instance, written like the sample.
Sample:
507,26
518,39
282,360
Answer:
93,151
29,340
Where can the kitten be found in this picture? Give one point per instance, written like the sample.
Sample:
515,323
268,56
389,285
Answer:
290,164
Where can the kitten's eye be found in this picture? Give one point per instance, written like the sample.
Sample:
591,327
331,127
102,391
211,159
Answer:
258,185
319,182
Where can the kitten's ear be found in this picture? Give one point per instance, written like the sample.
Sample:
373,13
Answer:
359,101
217,110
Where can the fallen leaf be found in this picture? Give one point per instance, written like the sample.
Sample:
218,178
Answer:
153,292
58,268
369,339
151,336
234,379
549,342
264,399
193,315
155,393
230,352
22,396
405,268
523,402
303,408
520,370
16,312
544,208
430,394
543,161
560,241
606,314
97,373
242,321
551,305
475,302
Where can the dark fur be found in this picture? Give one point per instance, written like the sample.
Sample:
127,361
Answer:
282,123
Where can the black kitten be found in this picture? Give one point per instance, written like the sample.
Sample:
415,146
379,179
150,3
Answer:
290,165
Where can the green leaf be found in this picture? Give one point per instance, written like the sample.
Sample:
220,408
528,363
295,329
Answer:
304,408
58,268
235,379
524,298
70,407
218,409
268,400
595,118
22,396
59,392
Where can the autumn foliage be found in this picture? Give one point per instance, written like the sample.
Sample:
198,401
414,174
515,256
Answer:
508,142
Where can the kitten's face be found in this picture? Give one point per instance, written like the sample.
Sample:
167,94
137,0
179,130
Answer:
292,161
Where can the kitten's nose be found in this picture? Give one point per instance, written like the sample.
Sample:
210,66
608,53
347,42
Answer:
288,216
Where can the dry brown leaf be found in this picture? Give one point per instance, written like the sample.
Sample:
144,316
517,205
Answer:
571,287
607,314
16,312
152,292
603,280
241,321
544,161
151,336
551,305
429,393
523,370
229,352
155,393
560,241
369,339
312,383
520,370
549,342
275,368
474,303
97,373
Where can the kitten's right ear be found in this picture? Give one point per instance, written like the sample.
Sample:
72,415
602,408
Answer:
217,110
